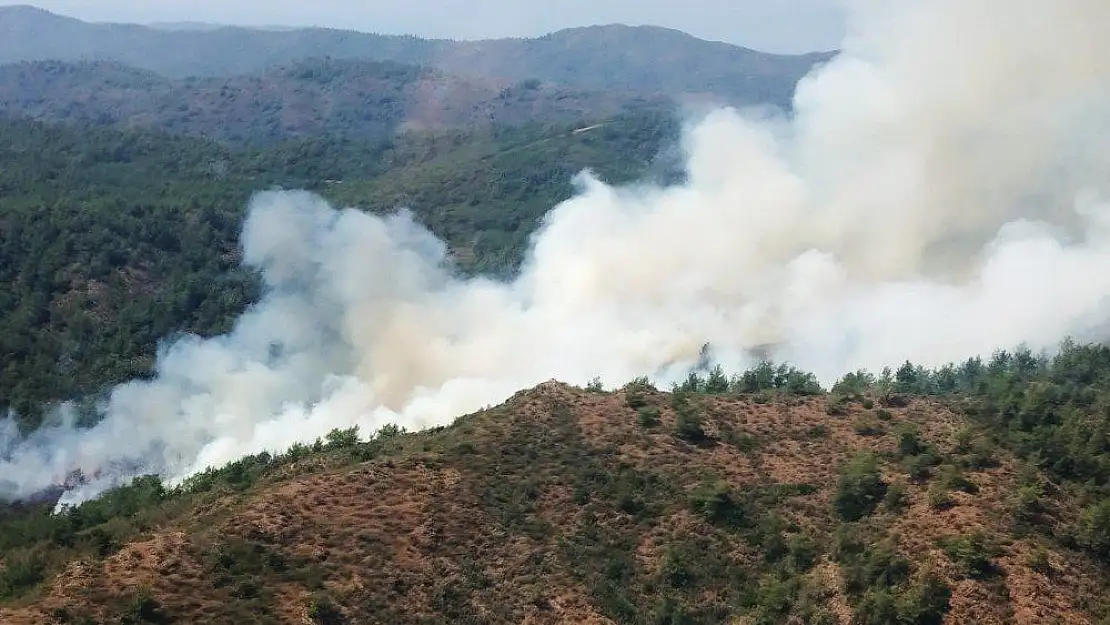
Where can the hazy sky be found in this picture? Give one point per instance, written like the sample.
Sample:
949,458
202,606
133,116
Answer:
773,25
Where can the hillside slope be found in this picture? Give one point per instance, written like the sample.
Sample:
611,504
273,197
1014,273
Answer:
569,506
642,59
348,98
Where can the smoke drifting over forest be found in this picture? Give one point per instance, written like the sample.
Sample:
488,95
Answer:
940,192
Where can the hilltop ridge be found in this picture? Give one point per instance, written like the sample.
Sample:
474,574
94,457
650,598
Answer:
350,98
644,59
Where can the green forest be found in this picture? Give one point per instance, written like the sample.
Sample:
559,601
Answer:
113,240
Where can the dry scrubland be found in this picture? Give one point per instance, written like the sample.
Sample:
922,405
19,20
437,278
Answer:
567,505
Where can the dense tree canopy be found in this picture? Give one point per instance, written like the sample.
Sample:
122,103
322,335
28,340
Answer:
113,240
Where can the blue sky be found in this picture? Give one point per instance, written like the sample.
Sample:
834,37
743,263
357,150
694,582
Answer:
772,25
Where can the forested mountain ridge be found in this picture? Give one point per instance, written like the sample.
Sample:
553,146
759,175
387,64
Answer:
647,60
350,98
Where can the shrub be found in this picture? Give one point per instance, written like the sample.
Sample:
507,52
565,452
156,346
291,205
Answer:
802,551
981,456
867,427
962,440
713,500
895,499
920,467
1027,503
952,478
896,401
688,427
675,570
342,439
687,420
635,398
877,607
973,553
775,598
1094,528
811,606
648,416
860,488
909,441
635,393
595,386
868,565
818,431
18,575
144,608
836,405
390,431
820,615
323,611
667,611
883,567
939,497
766,376
769,536
1038,561
743,442
925,603
298,451
716,383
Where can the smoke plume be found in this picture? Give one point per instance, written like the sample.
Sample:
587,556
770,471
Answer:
940,191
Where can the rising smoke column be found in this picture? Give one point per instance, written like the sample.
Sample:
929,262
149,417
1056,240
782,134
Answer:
940,192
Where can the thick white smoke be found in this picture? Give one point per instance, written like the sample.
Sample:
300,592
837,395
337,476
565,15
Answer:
940,192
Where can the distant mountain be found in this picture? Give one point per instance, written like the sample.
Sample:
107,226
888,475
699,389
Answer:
202,26
361,99
193,26
643,59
